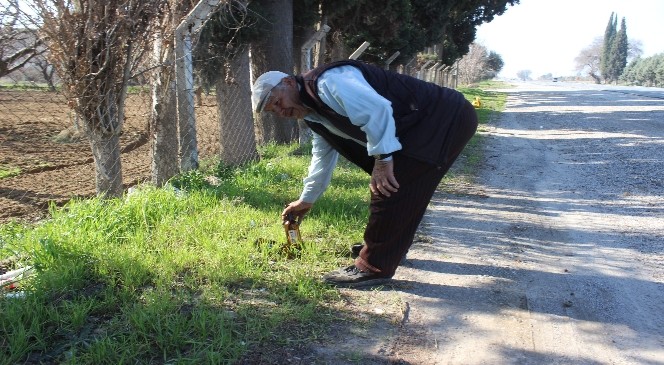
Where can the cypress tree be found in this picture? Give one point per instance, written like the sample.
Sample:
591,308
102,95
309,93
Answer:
617,58
609,35
620,51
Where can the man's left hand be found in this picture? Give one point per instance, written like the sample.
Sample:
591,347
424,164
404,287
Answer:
382,178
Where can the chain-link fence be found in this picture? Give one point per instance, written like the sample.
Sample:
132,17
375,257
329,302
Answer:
431,71
50,132
55,142
45,153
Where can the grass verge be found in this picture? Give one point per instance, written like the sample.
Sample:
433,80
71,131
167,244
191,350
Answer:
193,273
491,103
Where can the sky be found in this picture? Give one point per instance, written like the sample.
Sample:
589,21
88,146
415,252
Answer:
545,36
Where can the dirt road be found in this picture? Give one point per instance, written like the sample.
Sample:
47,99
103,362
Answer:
555,255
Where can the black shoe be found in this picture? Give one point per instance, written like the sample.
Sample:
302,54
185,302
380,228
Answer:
352,277
355,250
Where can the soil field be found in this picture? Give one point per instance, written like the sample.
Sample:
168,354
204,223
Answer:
51,157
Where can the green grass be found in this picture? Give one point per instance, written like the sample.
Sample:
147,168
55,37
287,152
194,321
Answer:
8,171
191,273
33,86
491,101
23,86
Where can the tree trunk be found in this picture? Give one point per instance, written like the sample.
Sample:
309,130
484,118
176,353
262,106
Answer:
163,122
238,144
301,36
274,52
108,169
103,130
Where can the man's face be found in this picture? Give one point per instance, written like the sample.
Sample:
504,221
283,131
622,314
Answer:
285,101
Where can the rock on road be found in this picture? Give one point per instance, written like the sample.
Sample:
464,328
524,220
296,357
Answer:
555,255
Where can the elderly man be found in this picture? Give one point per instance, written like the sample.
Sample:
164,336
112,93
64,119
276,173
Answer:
404,132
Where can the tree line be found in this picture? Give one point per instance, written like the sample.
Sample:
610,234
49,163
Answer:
615,58
100,47
647,71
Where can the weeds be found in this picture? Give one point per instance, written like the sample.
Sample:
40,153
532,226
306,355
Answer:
8,171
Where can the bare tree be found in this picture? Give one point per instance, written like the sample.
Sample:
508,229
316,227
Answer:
46,69
18,43
588,60
95,46
524,74
473,66
635,49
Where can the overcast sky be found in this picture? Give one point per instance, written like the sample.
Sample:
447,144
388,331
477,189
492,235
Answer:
545,36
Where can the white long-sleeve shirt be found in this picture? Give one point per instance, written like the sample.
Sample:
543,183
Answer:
346,91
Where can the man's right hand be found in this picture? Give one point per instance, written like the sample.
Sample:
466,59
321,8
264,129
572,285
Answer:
382,178
297,208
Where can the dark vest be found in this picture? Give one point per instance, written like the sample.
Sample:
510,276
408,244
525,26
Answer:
425,114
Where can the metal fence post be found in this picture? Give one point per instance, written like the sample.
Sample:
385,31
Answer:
184,81
421,74
358,52
456,74
439,75
408,67
389,60
432,72
446,72
305,63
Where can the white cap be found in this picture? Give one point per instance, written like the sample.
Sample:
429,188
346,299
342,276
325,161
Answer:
262,88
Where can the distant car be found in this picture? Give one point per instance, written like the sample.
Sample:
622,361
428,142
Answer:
555,79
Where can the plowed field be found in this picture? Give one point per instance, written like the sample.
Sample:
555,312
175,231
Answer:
50,161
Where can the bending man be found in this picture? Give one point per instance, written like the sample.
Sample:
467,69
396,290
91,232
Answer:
404,132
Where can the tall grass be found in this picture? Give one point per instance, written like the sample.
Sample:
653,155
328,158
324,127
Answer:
192,273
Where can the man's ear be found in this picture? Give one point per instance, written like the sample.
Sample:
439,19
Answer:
288,80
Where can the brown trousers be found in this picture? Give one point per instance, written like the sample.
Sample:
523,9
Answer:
394,220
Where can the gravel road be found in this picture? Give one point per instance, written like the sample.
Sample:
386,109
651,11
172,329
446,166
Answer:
555,255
